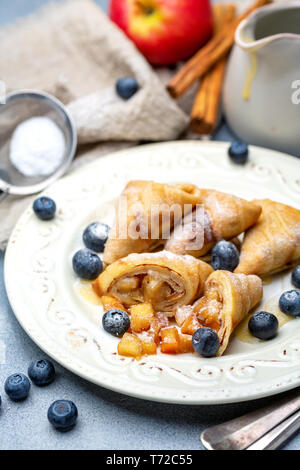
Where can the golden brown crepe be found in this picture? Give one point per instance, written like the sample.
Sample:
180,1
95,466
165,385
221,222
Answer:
227,299
223,217
142,216
273,244
163,279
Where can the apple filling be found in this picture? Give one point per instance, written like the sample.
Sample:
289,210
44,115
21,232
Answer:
161,287
209,309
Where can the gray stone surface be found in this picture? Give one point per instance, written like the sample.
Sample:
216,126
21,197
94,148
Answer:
107,420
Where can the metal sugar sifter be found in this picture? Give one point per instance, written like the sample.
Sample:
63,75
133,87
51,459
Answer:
18,107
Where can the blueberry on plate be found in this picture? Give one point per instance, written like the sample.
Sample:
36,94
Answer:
87,264
225,256
263,325
126,87
17,387
95,236
238,152
44,208
41,372
62,414
116,322
206,342
289,302
296,277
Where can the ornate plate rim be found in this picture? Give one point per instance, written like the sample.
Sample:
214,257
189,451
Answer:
77,366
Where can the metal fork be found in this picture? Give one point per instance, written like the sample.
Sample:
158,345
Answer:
265,429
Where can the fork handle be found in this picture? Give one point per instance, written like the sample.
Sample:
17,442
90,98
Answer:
240,433
277,436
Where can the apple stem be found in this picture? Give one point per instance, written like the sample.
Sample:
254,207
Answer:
146,9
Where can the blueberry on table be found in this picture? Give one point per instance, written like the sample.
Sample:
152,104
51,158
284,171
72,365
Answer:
116,322
44,208
126,87
289,302
263,325
17,387
296,277
95,236
225,256
87,264
62,414
41,372
238,152
206,342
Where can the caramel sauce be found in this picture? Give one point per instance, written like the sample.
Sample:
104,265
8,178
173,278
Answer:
251,71
266,280
86,292
250,76
272,306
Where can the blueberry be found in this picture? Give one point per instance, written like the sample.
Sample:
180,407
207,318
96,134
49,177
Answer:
296,277
17,387
116,322
44,208
41,372
62,414
225,255
126,87
289,302
263,325
206,342
87,264
95,236
238,152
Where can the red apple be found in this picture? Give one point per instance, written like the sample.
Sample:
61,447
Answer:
165,31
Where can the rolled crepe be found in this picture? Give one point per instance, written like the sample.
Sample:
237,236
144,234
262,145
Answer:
164,279
273,244
146,214
221,216
228,298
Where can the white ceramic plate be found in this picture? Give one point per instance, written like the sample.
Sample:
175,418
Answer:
44,292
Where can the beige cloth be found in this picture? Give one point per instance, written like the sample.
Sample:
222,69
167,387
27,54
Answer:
73,51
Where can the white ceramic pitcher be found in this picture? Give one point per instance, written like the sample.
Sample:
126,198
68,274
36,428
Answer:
261,95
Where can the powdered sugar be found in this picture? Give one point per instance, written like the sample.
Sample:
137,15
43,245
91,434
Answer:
37,147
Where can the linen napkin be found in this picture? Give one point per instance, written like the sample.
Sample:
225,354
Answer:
75,52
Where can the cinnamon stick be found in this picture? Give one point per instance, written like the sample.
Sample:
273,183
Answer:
209,55
206,106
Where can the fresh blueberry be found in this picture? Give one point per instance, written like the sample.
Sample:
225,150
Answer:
126,87
87,264
62,414
206,342
44,208
17,387
116,322
225,255
95,236
289,302
41,372
238,152
296,277
263,325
